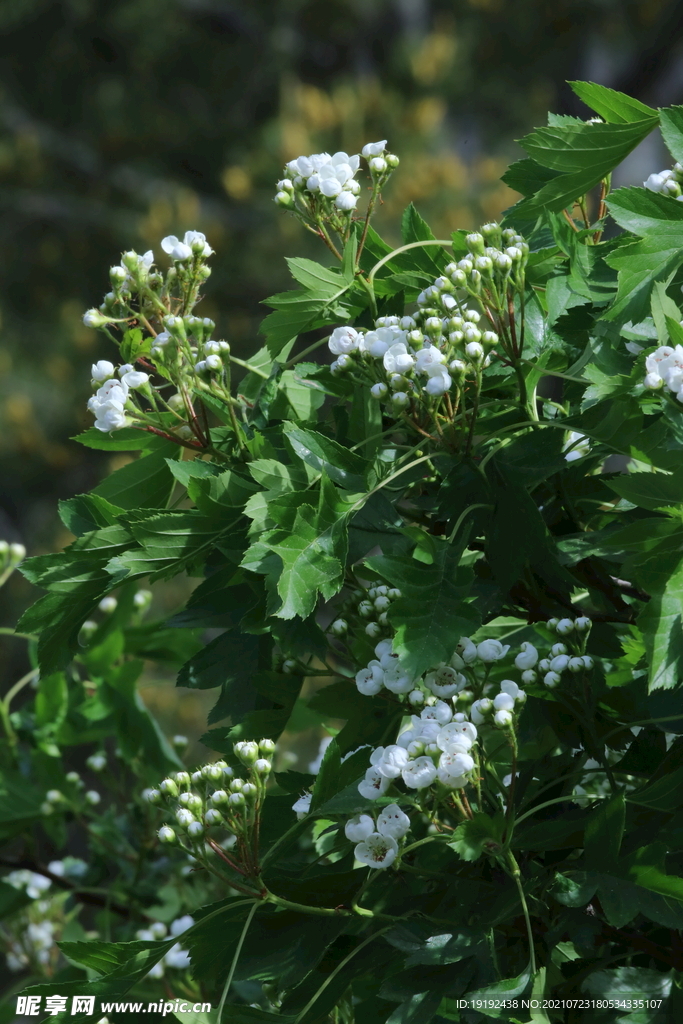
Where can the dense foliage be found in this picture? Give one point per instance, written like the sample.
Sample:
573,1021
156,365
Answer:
467,528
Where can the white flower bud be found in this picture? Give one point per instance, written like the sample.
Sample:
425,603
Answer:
582,624
184,817
262,766
551,679
371,149
166,834
575,665
400,399
587,662
219,798
559,663
378,165
565,627
552,624
359,828
503,702
529,676
489,651
213,817
558,649
108,605
346,202
373,629
92,797
474,351
503,719
528,656
416,698
339,627
195,830
236,800
102,370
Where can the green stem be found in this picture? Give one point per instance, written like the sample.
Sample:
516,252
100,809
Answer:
235,958
248,366
340,966
311,348
548,803
517,877
8,631
404,248
461,517
304,909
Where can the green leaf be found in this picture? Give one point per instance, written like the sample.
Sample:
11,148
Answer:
325,455
661,623
128,439
326,783
510,988
583,153
671,126
476,836
431,258
431,615
527,176
604,833
322,282
624,983
310,553
663,307
665,794
649,490
144,483
418,1009
615,107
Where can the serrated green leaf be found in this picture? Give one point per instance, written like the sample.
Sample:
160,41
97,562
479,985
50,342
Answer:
662,628
615,107
604,832
323,282
144,483
671,126
476,836
431,615
325,455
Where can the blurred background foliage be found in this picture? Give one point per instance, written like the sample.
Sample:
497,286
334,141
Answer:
123,122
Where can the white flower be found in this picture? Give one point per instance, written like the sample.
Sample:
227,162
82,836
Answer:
502,719
528,656
370,680
377,164
504,702
575,665
439,380
455,764
428,356
346,202
551,679
529,677
376,342
565,627
439,713
379,390
420,773
373,785
373,148
359,828
92,797
396,679
176,249
445,681
383,648
393,822
397,358
343,340
377,851
197,243
389,761
135,379
511,687
491,650
102,370
457,734
467,650
580,446
559,663
302,805
480,710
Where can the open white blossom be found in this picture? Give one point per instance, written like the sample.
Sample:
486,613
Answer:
374,784
377,851
359,828
393,822
420,773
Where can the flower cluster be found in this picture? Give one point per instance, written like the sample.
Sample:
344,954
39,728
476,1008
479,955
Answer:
666,182
377,842
665,369
565,656
177,957
329,181
214,800
36,944
179,344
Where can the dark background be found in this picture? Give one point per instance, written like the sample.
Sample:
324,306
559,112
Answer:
125,120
